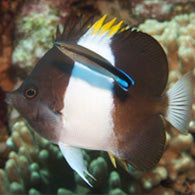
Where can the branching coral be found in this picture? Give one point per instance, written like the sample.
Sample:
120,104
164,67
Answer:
35,30
161,10
8,12
177,38
33,165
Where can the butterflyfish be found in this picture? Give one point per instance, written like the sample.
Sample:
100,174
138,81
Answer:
103,86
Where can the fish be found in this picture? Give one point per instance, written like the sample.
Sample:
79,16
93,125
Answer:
103,86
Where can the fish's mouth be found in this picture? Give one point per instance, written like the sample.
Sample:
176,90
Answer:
8,99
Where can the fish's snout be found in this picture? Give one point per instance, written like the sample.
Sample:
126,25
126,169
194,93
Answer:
8,98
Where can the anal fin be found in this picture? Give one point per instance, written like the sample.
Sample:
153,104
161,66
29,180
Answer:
145,146
74,158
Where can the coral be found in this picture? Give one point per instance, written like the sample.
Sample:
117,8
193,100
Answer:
117,191
161,10
4,150
120,9
77,7
34,30
3,129
177,38
8,12
33,165
114,180
136,11
98,168
152,9
3,107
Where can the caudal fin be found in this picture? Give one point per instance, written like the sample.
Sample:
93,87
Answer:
180,99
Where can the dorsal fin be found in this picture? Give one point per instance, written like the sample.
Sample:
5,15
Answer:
74,28
140,55
76,25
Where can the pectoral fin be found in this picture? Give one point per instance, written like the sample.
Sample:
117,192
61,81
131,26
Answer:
180,98
74,158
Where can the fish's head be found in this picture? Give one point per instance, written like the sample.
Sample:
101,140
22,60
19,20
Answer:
40,98
25,106
27,100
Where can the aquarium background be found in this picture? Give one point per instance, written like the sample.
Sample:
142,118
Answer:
30,164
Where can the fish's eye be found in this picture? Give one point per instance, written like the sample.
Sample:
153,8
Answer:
30,93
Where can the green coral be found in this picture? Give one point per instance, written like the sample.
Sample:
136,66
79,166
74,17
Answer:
33,165
177,38
35,31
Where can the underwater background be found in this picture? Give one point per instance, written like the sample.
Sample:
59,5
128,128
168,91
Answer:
29,164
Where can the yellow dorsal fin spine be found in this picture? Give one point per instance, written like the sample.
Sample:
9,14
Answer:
97,26
114,29
112,158
106,27
123,29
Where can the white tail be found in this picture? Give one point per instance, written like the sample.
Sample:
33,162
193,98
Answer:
180,98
